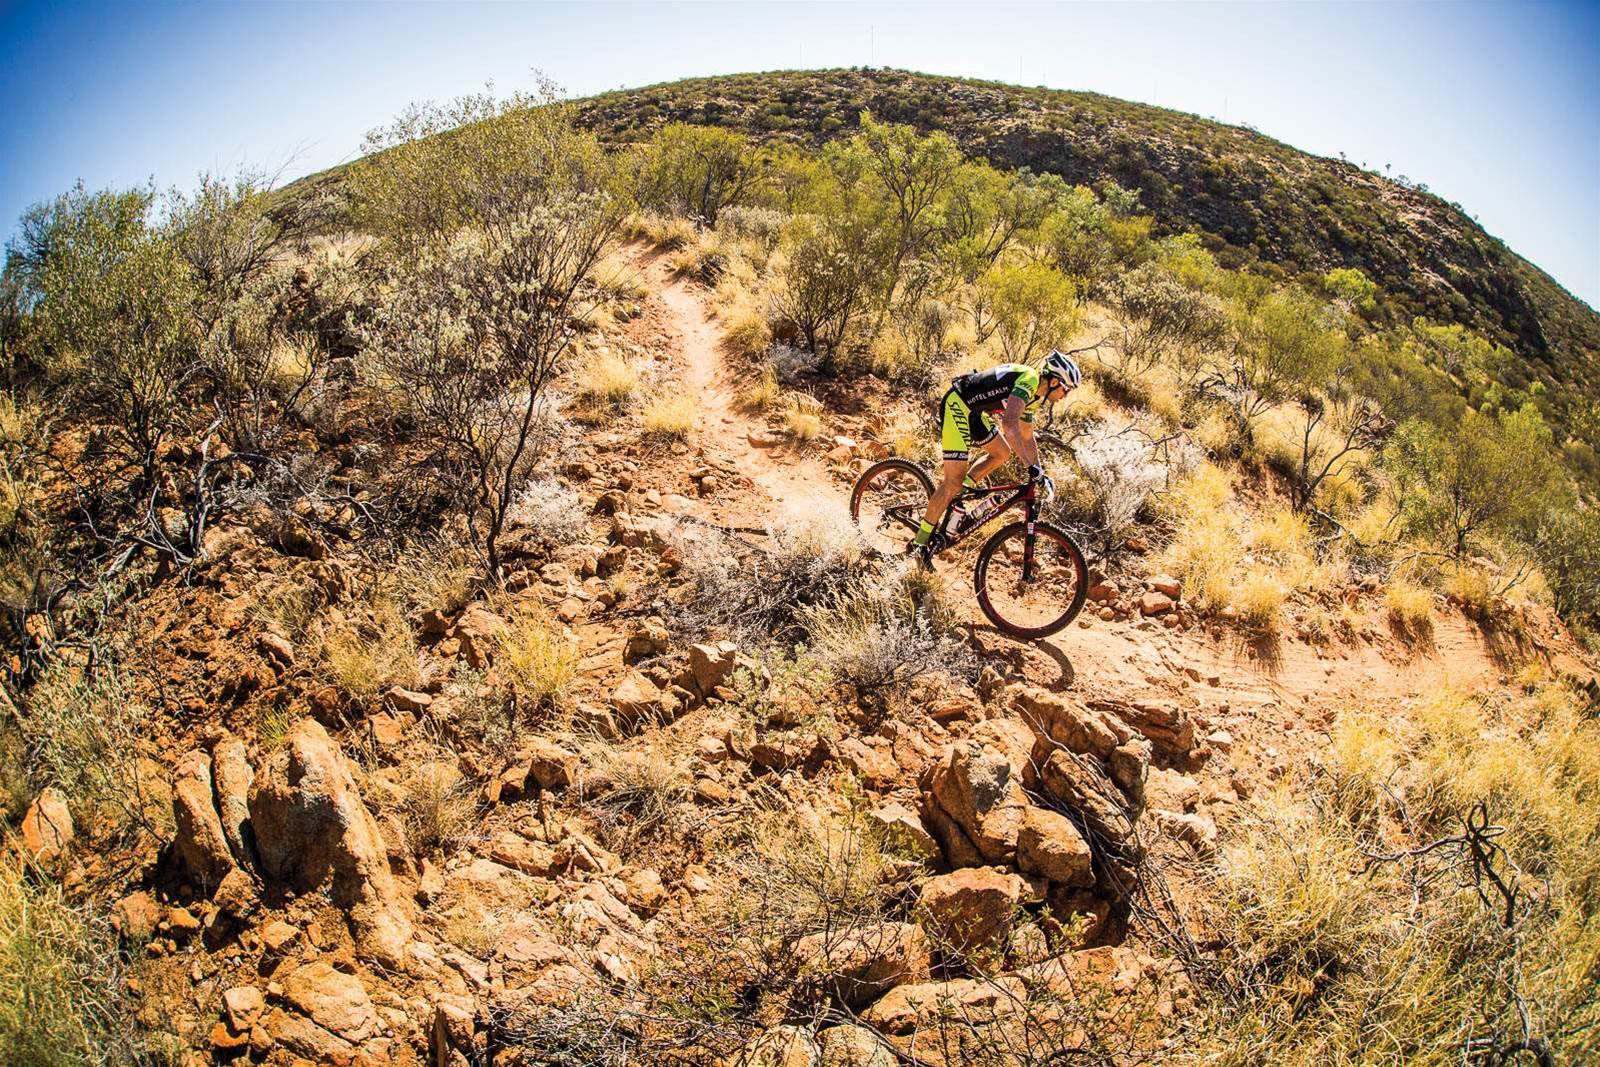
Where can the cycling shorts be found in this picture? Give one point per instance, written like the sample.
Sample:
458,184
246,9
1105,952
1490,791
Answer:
961,429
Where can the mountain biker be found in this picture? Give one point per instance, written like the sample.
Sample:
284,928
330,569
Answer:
1012,390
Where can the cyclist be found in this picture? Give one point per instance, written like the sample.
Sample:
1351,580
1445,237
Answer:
1013,391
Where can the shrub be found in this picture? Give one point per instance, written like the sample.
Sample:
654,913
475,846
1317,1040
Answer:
745,330
62,984
499,228
826,285
1120,476
670,416
1034,308
698,171
763,592
639,793
82,725
553,512
882,634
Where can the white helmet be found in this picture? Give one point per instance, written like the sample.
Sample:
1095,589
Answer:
1064,367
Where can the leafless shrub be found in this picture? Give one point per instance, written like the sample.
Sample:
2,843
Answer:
762,591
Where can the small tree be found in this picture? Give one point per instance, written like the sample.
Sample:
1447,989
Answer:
828,282
114,305
1282,348
1337,425
1034,307
697,171
1484,475
1163,321
483,316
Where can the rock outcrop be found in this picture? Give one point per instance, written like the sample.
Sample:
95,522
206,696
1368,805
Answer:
313,831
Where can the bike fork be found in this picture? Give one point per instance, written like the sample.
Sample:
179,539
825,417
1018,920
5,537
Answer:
1027,542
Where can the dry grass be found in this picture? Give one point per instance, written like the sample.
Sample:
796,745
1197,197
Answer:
1410,607
670,417
366,656
640,793
1208,546
745,329
537,657
802,416
1334,957
440,806
1471,587
667,233
61,980
1258,599
763,393
607,377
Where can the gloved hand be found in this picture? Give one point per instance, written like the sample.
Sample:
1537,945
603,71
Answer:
1035,472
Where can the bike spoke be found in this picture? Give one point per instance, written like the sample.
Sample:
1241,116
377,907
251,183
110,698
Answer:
889,509
1044,601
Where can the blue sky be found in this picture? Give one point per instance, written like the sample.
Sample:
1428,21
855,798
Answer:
1495,106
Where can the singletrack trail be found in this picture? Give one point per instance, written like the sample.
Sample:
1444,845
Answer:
786,478
1283,693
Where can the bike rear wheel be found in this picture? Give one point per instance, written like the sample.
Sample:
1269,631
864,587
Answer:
888,502
1043,602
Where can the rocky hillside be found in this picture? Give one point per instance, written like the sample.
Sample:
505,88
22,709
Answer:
1256,200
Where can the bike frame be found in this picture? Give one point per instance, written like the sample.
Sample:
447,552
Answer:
1024,493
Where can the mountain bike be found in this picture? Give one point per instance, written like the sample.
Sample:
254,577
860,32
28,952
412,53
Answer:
1030,576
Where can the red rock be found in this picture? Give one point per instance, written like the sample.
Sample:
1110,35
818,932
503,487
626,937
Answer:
1167,586
1153,603
47,827
1051,847
1104,592
861,964
970,910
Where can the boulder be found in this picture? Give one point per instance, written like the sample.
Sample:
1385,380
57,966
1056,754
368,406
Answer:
47,827
1167,586
635,698
712,665
903,832
781,1046
853,1046
909,1008
331,1015
242,1005
313,831
1167,725
970,910
550,765
230,781
1154,603
859,965
199,838
1063,721
1082,786
650,638
1051,847
977,789
480,632
135,917
1104,592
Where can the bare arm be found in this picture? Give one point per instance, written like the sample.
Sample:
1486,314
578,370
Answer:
1018,434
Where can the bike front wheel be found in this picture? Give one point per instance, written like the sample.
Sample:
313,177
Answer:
888,502
1035,594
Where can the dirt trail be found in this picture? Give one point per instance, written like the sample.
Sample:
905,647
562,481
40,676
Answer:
1284,687
785,478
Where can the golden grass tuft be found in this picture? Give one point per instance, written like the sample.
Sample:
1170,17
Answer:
763,393
1410,607
803,417
1258,599
1472,588
670,417
1329,951
364,658
537,657
61,979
